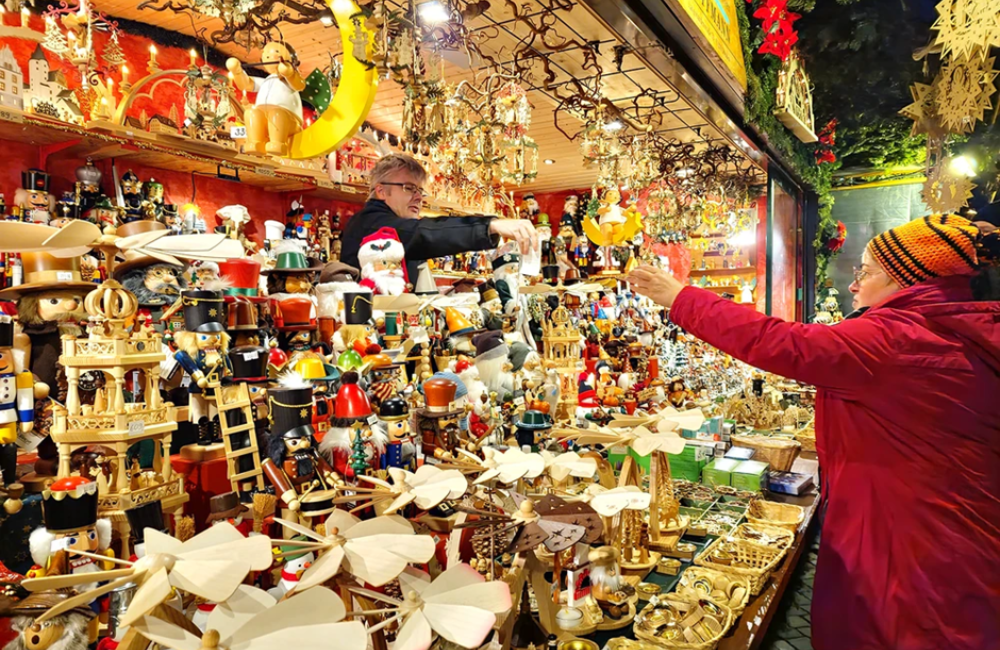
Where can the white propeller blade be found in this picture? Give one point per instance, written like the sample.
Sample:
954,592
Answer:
609,503
246,603
155,589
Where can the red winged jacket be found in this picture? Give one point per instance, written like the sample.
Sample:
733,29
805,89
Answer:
908,436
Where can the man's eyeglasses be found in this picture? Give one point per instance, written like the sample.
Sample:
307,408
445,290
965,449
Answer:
409,188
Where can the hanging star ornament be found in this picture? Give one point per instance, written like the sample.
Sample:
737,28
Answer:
967,27
923,112
963,91
945,193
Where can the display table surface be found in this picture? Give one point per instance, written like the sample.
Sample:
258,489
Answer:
748,631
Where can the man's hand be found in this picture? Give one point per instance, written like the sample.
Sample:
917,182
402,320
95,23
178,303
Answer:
656,284
520,230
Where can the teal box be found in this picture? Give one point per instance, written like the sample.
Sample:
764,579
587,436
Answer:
750,475
719,472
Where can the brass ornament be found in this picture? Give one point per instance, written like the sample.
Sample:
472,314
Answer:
945,193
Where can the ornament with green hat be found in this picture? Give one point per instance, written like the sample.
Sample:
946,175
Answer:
291,258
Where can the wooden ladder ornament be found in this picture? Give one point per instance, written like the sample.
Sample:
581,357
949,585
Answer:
237,397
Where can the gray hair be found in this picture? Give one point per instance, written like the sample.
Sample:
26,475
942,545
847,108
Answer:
394,162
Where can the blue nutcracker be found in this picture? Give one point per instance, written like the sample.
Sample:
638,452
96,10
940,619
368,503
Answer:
17,401
400,451
204,353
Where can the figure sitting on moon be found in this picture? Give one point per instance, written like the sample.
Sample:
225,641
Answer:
277,114
613,226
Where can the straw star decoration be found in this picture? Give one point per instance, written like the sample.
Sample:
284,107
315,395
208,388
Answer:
962,92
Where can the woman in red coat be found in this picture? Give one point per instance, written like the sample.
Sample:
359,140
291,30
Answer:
908,435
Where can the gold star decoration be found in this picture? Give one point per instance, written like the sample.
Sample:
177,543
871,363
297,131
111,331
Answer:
303,413
923,113
945,193
963,91
967,27
213,312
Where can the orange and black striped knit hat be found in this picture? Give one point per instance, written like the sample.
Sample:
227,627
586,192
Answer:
930,247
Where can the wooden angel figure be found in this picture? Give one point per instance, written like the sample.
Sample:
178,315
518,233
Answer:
276,116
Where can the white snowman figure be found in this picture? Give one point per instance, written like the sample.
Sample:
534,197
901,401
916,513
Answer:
295,565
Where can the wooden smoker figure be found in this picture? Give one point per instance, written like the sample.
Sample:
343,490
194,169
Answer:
294,466
203,353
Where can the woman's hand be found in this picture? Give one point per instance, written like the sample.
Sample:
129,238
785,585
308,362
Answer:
656,284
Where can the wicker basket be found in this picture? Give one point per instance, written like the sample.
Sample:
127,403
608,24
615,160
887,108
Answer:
774,536
726,620
693,577
807,438
780,453
781,515
755,561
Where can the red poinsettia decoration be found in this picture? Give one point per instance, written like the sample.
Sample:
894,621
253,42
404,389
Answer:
836,243
825,156
828,135
779,43
775,12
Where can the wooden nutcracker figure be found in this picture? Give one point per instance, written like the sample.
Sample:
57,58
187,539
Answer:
17,401
69,510
301,477
203,353
394,415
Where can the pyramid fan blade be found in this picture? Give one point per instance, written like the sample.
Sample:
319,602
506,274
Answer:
561,535
376,561
415,633
216,535
245,603
140,240
16,236
82,599
339,636
312,607
254,550
157,542
324,568
153,590
413,580
385,525
75,234
462,624
492,596
73,579
400,501
167,634
343,521
300,529
428,496
213,580
487,476
456,577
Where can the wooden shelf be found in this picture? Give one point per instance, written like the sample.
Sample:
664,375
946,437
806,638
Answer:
736,271
102,140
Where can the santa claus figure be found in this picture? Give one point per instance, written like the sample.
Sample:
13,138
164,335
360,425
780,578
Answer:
383,268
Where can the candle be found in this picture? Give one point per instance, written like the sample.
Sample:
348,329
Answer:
193,57
152,54
124,74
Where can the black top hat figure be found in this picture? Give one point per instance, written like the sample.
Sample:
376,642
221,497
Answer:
393,409
291,412
70,504
204,311
148,515
35,179
357,307
6,332
249,363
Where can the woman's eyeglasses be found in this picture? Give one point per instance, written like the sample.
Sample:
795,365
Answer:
409,188
861,274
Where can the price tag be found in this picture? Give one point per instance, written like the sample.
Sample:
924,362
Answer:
250,356
136,428
264,171
12,116
519,401
372,419
130,134
238,132
64,276
326,184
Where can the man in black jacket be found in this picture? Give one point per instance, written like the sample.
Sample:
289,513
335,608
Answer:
394,201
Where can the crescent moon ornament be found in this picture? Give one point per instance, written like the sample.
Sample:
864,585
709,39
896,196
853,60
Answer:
355,92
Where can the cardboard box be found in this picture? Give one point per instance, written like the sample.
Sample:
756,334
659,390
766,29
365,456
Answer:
750,475
719,472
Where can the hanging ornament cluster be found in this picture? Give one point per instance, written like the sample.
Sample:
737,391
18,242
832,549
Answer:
777,22
967,28
945,192
827,140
